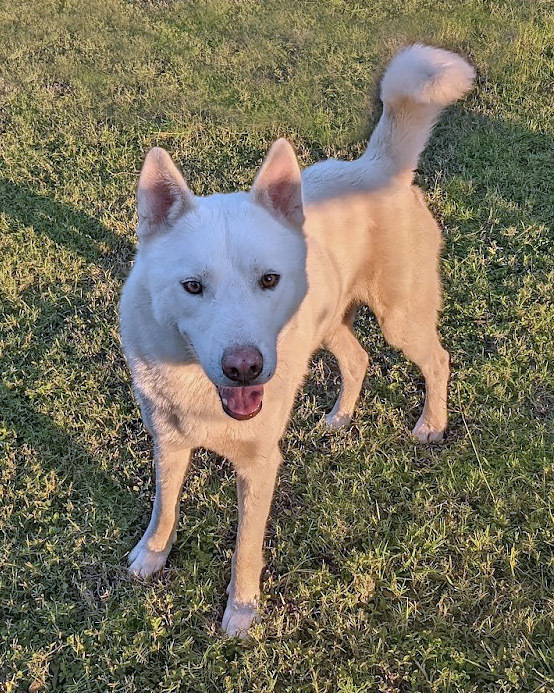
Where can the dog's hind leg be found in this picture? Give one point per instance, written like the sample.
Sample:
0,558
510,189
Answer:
435,366
352,359
420,343
151,553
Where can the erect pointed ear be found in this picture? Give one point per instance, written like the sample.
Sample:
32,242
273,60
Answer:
163,196
278,185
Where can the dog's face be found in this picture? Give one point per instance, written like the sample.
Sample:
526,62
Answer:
227,271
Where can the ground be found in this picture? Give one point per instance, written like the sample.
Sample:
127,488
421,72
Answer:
390,566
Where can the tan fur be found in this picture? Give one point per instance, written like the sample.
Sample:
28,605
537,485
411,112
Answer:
369,240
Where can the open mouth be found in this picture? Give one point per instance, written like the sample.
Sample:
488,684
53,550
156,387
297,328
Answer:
241,402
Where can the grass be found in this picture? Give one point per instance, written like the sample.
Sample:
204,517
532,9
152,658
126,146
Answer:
390,567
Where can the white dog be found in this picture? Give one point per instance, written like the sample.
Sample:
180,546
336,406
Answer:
230,295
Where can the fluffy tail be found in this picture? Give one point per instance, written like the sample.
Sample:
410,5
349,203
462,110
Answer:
419,82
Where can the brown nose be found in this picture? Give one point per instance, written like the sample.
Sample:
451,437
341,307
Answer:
242,363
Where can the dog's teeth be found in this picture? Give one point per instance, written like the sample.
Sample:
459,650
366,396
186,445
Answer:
224,401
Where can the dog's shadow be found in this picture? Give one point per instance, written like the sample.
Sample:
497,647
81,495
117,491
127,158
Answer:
39,319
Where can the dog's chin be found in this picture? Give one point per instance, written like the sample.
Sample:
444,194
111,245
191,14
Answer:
241,403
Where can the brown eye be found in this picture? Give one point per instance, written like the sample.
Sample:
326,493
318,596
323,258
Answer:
193,287
269,281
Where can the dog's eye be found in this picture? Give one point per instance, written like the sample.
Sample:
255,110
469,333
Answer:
269,281
193,287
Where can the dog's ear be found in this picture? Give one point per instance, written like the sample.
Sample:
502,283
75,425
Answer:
278,185
163,196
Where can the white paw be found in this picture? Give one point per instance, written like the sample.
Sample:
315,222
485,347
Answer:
338,419
238,618
426,432
143,562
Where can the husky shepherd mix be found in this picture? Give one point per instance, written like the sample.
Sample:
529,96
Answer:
230,296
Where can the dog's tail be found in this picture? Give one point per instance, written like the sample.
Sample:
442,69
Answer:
419,82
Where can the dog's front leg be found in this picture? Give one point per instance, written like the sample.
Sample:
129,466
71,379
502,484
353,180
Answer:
150,554
255,485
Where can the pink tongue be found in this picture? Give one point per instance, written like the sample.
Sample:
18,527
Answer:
242,402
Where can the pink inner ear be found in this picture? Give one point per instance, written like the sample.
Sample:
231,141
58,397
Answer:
162,198
162,195
283,195
278,185
162,192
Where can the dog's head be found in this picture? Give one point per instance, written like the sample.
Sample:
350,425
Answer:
227,272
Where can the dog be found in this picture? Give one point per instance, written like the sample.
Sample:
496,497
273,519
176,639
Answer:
231,294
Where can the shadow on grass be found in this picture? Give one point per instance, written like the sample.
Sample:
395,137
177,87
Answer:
96,245
78,582
77,231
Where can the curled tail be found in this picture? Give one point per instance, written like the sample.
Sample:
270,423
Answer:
419,82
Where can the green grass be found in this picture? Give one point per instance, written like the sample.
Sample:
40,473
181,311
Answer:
390,567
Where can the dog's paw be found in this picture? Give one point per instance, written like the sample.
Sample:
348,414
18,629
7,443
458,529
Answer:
338,419
238,618
144,563
426,432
